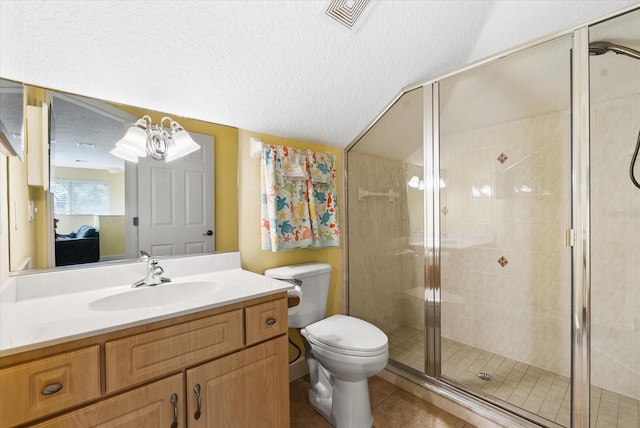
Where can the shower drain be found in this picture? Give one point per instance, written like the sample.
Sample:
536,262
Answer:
485,376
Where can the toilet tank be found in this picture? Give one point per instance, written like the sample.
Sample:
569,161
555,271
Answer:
313,279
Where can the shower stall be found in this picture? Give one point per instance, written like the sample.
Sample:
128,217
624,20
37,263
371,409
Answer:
493,227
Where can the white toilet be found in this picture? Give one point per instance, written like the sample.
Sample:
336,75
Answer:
341,351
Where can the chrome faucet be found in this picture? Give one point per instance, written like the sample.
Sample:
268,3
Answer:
154,272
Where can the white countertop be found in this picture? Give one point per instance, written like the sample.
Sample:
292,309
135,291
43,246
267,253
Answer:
33,316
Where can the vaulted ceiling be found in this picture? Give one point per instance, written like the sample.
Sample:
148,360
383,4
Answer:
278,67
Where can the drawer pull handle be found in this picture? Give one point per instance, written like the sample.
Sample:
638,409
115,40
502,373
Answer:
174,401
196,389
271,321
51,389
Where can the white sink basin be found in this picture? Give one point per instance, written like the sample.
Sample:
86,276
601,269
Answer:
157,296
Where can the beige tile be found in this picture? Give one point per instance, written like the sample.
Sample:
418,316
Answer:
466,415
404,410
380,390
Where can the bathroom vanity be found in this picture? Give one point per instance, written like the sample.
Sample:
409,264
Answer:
219,359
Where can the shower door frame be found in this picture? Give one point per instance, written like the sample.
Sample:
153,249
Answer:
579,235
431,145
580,260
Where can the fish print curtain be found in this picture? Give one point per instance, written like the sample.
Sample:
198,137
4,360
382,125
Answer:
299,206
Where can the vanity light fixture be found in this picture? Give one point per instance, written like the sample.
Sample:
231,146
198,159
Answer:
160,142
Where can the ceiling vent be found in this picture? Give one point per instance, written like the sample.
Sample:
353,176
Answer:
348,13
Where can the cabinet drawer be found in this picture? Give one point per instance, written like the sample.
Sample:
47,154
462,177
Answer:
266,320
149,355
148,406
28,391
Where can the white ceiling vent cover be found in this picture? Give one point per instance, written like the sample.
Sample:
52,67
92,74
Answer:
348,13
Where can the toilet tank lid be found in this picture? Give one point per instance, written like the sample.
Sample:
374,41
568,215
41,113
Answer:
298,271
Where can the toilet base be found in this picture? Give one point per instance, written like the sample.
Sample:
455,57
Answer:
344,404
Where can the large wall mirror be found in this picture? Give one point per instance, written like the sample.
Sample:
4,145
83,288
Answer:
95,207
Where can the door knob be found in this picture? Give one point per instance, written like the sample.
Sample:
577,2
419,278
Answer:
209,233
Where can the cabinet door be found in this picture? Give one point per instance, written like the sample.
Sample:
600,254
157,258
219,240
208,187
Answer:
148,406
247,389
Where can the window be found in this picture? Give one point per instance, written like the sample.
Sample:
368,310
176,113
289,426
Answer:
80,197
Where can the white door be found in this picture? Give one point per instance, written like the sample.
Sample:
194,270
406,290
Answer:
175,203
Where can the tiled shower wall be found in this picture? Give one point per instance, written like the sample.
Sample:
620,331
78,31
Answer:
381,267
615,261
505,270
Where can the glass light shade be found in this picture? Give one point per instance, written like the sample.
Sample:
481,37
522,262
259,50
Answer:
124,153
183,144
414,182
134,141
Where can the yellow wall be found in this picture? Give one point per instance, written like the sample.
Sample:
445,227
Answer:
226,176
112,236
115,180
23,239
253,257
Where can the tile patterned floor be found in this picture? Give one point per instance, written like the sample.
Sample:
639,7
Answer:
536,390
392,408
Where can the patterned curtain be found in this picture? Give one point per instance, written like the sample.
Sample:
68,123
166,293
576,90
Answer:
299,205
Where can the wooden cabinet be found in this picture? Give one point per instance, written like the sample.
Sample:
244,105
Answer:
242,390
237,354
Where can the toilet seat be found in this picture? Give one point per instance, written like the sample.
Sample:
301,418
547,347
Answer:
347,335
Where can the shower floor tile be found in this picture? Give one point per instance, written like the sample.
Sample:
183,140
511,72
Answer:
538,391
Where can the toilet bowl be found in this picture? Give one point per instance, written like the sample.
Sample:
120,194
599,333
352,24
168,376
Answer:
341,351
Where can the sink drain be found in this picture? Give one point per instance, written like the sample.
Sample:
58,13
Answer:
485,376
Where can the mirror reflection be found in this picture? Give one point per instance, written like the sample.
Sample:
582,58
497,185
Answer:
87,182
11,112
97,207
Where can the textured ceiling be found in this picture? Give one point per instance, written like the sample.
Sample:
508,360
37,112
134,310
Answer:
278,67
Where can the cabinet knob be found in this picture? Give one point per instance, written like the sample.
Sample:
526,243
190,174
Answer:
271,321
51,389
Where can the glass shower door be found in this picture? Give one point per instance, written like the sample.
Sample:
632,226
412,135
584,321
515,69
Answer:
385,233
505,203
